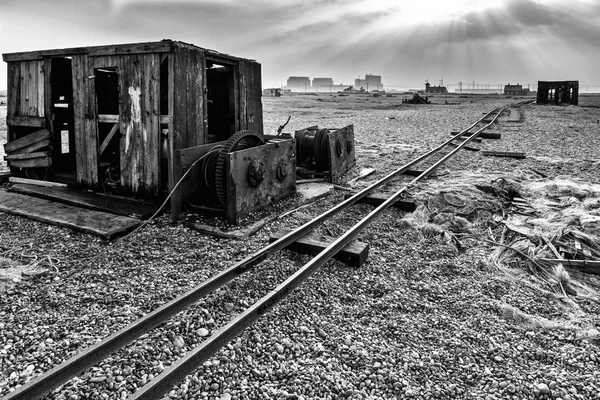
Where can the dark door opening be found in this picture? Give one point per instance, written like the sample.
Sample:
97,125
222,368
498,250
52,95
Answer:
61,89
107,103
221,101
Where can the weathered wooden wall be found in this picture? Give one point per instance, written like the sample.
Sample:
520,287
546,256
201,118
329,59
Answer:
139,76
26,88
250,92
85,120
189,98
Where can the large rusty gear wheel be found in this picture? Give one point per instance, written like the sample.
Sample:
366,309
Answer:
238,141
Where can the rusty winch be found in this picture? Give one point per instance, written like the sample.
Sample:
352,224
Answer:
326,150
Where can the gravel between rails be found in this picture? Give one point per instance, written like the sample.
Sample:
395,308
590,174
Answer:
418,320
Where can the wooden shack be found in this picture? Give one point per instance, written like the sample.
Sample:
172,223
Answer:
558,92
115,116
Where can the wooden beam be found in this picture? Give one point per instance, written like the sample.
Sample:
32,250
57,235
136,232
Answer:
40,162
16,120
412,172
42,144
376,199
28,156
108,118
354,254
503,154
27,140
108,138
15,179
106,50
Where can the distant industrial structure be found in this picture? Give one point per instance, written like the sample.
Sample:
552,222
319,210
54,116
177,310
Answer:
371,82
302,84
298,83
435,89
558,92
516,90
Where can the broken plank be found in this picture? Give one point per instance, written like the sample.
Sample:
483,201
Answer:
27,140
28,156
16,179
354,253
109,137
42,144
503,154
41,162
376,199
88,200
88,221
16,120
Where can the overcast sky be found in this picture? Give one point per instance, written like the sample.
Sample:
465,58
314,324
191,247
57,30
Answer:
405,41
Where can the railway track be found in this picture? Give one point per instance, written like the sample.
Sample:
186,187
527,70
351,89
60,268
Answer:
161,384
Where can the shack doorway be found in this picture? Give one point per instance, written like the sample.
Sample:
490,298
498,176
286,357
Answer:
62,117
106,86
221,100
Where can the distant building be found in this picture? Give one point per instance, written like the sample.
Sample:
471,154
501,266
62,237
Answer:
274,92
516,90
322,82
298,83
435,89
558,92
371,82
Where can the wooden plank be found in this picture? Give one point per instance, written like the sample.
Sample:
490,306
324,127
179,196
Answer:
42,144
106,50
151,124
41,162
84,110
16,179
88,200
88,221
354,253
27,140
131,48
176,192
108,118
41,88
24,120
13,90
113,118
140,124
28,155
177,108
109,137
242,91
503,154
376,199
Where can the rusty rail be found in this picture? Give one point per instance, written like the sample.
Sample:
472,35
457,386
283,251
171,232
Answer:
58,375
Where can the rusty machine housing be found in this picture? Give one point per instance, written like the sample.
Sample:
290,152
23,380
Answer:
327,150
